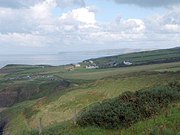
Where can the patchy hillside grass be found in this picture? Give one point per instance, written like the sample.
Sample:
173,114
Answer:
59,106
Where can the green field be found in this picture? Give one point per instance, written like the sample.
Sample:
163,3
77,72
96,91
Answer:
91,74
143,58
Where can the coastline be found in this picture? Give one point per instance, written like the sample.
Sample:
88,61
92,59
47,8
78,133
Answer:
53,60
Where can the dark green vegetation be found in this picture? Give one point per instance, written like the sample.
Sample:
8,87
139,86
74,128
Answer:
126,100
142,58
130,107
162,119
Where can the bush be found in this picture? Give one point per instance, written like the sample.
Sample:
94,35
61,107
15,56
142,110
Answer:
129,107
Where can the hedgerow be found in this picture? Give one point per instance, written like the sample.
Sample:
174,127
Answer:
129,107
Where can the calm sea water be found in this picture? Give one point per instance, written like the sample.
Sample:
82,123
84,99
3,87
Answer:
50,59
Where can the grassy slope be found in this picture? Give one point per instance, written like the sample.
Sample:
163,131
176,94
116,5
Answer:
162,124
59,107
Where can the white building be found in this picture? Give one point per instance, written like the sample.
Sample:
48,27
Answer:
77,65
92,67
127,63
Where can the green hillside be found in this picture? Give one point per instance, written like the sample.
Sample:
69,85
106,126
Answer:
58,107
52,93
142,58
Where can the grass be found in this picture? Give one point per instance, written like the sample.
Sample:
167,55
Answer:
161,124
78,76
87,86
101,73
175,69
59,106
89,74
143,58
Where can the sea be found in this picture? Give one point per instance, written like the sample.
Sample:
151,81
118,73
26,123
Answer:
46,59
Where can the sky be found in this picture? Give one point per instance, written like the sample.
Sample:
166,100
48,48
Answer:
52,26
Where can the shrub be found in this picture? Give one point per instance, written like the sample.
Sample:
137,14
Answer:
129,107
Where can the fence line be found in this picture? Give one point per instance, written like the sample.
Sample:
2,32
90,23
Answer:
40,127
74,116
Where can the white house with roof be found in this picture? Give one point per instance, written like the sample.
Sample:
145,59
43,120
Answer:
77,65
91,61
128,63
92,67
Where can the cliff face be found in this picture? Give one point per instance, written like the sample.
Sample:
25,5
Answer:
8,98
15,93
3,123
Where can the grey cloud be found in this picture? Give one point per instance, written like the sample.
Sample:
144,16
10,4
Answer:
93,9
10,3
15,4
70,3
149,3
159,23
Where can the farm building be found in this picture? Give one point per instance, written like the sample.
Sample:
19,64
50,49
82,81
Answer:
77,65
128,63
92,66
112,64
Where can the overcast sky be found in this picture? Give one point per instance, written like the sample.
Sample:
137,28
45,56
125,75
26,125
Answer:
52,26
